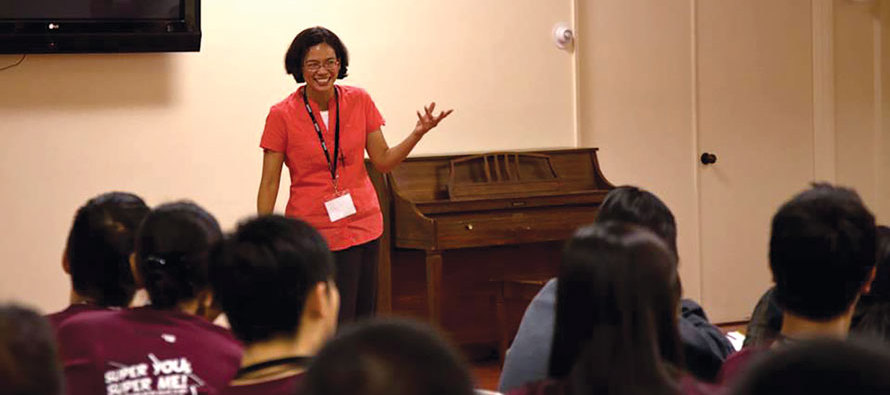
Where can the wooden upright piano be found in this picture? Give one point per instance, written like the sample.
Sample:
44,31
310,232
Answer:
481,202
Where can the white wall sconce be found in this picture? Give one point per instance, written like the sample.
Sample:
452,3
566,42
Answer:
563,36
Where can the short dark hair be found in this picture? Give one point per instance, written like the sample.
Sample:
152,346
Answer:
263,273
640,207
28,361
172,252
388,357
99,246
308,38
823,366
822,248
617,295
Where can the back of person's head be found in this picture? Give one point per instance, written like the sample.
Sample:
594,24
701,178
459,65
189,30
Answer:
822,250
640,207
172,252
99,247
874,307
263,275
28,362
388,358
825,366
616,312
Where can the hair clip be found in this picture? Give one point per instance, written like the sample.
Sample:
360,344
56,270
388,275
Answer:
156,260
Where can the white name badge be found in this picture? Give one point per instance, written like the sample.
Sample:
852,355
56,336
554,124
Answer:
340,207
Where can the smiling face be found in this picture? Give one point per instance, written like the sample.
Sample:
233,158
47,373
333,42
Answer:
320,68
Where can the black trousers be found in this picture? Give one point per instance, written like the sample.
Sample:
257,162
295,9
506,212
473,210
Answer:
357,281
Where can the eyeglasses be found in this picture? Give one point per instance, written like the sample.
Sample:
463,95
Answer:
330,64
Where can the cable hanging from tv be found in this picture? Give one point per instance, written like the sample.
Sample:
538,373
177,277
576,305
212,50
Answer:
22,59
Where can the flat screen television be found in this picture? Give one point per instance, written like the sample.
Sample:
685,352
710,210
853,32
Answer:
95,26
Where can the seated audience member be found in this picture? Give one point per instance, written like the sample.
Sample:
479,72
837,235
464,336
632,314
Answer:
825,366
170,345
388,358
873,310
98,251
275,280
704,345
822,257
28,363
766,321
616,317
871,317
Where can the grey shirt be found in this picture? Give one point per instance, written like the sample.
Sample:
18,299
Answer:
527,360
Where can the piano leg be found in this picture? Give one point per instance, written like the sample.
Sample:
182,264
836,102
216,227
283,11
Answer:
434,286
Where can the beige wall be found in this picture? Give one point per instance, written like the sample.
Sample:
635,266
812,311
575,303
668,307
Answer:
170,126
855,97
883,173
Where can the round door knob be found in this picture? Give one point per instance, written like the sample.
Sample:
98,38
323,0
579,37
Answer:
708,158
469,226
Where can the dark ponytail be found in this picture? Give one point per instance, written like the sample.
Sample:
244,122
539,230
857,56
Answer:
172,249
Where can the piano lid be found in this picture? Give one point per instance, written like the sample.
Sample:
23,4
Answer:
499,175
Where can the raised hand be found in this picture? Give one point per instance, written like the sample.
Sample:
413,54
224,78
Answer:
428,120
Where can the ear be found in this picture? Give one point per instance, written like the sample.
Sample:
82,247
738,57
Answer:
66,264
332,301
316,300
866,288
137,276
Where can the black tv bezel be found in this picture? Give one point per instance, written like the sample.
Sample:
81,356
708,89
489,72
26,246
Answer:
47,36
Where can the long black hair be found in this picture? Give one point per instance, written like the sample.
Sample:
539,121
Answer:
616,312
172,248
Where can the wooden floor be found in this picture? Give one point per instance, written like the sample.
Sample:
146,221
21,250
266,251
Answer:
487,371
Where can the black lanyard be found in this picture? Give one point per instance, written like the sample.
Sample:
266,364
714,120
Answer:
297,362
331,165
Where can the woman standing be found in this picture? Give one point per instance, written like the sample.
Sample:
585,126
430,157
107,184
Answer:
321,132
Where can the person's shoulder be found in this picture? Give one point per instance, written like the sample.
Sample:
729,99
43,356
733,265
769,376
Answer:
286,104
737,363
547,294
546,386
192,326
211,332
80,333
689,385
354,92
89,318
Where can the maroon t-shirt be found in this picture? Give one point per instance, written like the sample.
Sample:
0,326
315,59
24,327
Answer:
146,351
56,319
285,386
737,364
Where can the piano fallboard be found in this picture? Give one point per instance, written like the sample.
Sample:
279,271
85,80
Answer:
505,227
511,203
